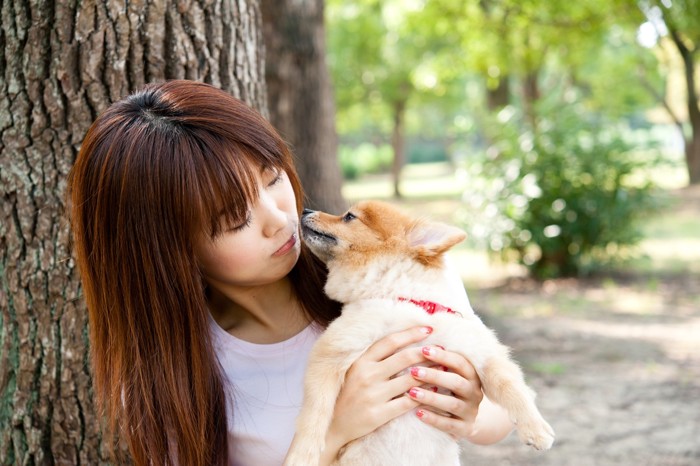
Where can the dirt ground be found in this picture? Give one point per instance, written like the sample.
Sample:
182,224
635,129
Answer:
615,362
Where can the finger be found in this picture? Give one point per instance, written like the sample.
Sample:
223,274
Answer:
401,361
453,405
393,342
465,388
398,406
454,361
453,426
398,386
385,412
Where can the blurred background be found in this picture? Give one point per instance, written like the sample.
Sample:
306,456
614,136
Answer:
563,136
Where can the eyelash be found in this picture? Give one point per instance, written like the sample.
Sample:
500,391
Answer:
249,219
243,225
276,180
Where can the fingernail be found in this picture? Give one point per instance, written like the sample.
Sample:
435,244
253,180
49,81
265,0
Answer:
427,330
441,347
420,413
418,372
444,368
434,389
416,393
428,351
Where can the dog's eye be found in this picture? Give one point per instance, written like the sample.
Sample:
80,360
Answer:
347,217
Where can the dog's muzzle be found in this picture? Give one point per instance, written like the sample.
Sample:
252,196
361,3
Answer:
311,234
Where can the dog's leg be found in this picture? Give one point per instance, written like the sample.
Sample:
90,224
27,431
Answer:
503,382
328,365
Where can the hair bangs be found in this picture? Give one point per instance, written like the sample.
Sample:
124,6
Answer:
226,185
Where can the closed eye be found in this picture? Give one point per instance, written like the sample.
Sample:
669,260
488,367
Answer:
348,217
243,225
277,178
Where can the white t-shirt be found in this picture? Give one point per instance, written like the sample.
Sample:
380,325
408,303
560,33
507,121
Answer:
266,384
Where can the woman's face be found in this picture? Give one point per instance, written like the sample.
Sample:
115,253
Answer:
261,250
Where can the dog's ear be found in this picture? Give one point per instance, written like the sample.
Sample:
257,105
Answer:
429,240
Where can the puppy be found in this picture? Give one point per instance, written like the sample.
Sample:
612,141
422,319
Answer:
384,266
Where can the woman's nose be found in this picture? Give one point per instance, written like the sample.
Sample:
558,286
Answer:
275,218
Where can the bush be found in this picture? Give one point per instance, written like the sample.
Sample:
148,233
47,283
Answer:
364,158
562,199
426,152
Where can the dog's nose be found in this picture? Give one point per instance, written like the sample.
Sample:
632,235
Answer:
306,212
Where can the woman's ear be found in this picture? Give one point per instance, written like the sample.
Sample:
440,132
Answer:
429,240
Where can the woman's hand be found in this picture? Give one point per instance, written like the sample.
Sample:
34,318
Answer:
456,413
371,395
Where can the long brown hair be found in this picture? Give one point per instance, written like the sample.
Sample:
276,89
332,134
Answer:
153,172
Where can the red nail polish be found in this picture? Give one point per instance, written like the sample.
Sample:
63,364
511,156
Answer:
415,393
420,413
427,330
417,372
428,351
444,368
434,389
441,347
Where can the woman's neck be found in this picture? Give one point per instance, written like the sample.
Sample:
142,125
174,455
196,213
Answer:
259,314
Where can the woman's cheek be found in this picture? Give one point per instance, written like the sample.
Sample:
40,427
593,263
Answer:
225,257
232,256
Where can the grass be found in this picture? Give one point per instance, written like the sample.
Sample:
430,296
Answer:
419,183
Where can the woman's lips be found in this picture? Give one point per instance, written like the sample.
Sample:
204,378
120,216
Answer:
286,247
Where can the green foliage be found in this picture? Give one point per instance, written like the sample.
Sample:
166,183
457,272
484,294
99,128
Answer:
426,152
439,57
616,75
562,199
364,158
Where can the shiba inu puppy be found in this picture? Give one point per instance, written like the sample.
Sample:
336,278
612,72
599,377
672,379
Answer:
384,266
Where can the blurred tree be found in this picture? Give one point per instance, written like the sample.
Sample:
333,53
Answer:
392,58
374,53
61,64
302,106
680,20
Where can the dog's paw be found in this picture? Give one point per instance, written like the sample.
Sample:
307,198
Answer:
536,433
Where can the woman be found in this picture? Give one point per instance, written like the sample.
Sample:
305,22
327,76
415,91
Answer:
203,302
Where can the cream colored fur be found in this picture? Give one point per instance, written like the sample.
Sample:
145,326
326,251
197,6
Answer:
370,266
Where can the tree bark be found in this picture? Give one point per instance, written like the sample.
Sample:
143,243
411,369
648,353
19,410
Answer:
62,63
301,101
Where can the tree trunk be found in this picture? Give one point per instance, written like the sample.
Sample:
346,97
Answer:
301,98
692,157
61,64
398,145
499,96
531,94
692,144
